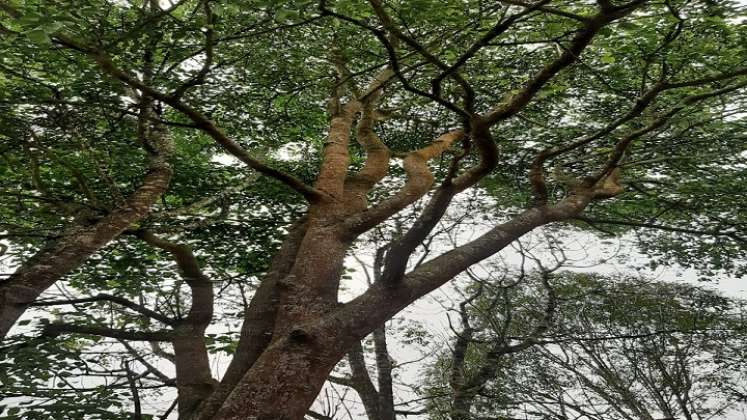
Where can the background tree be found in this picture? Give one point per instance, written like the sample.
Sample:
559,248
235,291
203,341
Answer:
116,117
617,349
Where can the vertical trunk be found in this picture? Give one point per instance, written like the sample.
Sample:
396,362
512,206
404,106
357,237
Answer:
378,403
312,286
194,381
286,379
383,359
259,322
461,400
361,382
310,338
384,375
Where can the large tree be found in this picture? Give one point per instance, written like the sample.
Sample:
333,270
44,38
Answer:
116,117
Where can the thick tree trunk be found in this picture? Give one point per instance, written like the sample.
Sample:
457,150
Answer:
259,323
193,379
312,332
286,379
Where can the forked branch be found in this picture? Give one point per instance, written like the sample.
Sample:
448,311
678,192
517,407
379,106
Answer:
419,181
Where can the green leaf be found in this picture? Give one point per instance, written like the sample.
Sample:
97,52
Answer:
607,58
286,14
39,37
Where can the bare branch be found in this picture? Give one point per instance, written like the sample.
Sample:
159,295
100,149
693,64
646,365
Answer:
103,297
55,329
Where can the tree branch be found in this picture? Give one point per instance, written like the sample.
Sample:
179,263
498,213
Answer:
646,225
55,329
103,297
579,42
201,121
419,181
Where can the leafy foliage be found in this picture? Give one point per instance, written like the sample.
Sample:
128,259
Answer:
618,347
72,150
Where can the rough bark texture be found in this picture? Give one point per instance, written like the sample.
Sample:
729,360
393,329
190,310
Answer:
194,379
62,256
259,322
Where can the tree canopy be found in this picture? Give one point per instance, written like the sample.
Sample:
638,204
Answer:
183,180
616,349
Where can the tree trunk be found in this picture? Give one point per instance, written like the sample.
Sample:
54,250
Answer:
312,331
194,380
286,379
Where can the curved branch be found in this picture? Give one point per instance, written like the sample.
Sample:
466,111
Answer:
378,154
622,145
394,61
419,181
448,71
66,253
579,42
202,122
536,171
384,299
201,310
190,351
484,41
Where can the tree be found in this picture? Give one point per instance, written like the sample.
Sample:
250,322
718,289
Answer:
113,114
616,349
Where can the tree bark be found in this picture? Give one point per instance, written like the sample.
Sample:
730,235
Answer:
64,255
194,380
286,378
259,323
360,380
384,375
